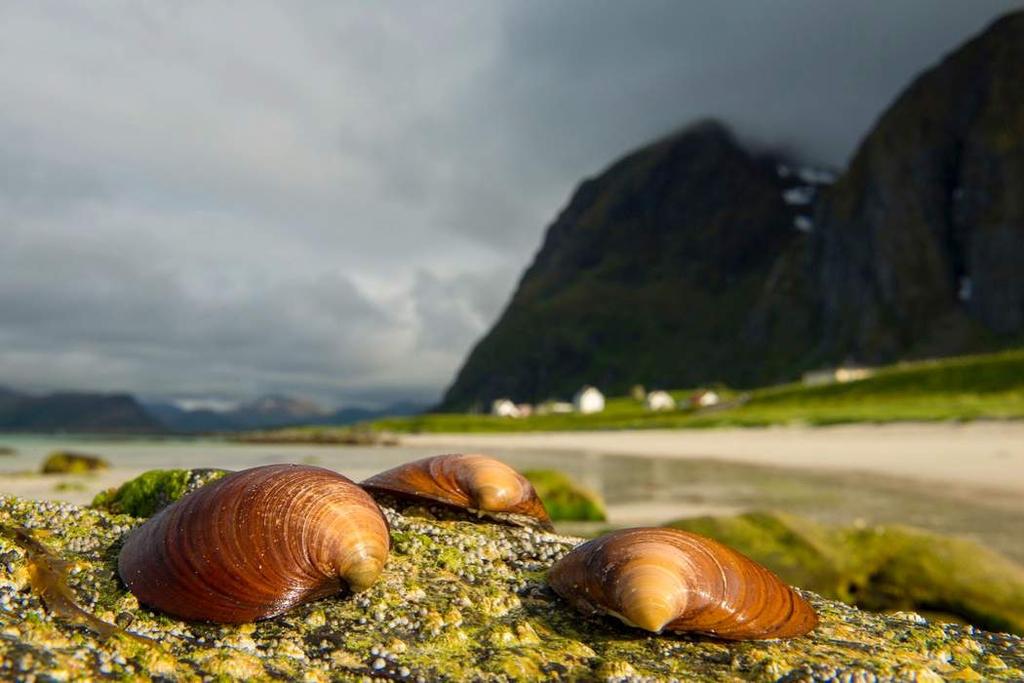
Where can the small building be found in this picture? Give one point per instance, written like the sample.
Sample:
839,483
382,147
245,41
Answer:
525,409
852,374
588,400
660,400
503,407
705,398
840,375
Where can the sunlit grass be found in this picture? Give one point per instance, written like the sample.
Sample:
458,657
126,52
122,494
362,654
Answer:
987,386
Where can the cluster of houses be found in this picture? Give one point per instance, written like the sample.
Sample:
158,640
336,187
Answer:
589,400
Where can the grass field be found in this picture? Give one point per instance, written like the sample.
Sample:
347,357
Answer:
987,386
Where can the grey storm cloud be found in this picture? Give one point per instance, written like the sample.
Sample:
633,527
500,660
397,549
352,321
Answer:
335,199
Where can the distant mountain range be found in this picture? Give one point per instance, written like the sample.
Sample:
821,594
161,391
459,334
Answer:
122,413
267,412
697,260
74,412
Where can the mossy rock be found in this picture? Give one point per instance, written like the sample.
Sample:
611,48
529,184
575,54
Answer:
565,500
70,462
880,567
458,601
151,491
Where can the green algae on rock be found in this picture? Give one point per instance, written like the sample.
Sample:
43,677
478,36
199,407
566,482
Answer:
152,491
457,601
880,568
565,500
70,462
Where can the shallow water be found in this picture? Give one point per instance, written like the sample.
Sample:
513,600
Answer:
639,491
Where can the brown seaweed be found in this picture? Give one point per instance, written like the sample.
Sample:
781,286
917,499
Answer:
47,574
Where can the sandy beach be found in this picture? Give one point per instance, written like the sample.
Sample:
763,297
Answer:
966,479
985,455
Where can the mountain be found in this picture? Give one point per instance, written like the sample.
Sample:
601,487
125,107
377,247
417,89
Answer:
347,416
75,412
696,260
276,411
267,412
920,247
178,419
263,413
653,274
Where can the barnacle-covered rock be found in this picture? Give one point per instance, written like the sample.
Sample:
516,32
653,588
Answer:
456,601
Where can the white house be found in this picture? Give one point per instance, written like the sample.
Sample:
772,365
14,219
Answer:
503,407
705,398
660,400
588,400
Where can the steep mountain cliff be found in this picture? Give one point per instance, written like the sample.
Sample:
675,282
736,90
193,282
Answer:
695,260
654,273
920,246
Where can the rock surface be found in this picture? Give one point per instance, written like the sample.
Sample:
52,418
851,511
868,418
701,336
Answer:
919,244
70,462
459,600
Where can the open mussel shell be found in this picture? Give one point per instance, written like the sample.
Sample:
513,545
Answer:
473,482
666,579
256,543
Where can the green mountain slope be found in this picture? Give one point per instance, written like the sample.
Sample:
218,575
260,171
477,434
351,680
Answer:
695,260
652,274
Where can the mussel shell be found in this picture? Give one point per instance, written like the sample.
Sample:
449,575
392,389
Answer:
468,481
256,543
668,579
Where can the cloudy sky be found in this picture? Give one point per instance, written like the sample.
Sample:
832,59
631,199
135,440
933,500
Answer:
335,200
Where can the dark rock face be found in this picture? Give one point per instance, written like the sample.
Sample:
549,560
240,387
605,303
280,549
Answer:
920,246
654,274
680,264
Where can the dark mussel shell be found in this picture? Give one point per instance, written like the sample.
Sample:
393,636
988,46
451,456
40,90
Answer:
666,579
256,543
472,482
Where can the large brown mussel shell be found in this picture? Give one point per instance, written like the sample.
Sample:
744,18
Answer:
255,544
469,481
658,579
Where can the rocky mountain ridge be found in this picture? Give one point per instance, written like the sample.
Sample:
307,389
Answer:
694,260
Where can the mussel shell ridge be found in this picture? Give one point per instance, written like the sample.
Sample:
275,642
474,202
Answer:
256,543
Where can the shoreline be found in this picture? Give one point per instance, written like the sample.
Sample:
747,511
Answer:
980,455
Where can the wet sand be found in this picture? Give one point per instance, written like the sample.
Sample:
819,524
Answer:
978,455
960,479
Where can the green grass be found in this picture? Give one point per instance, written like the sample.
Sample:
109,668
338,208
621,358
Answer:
987,386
